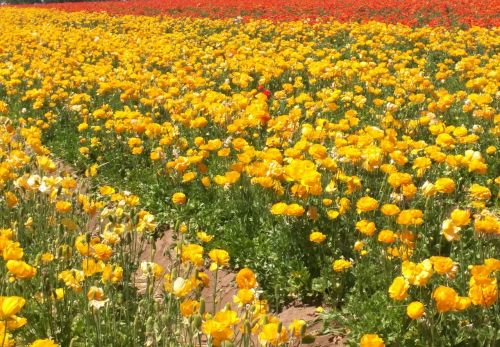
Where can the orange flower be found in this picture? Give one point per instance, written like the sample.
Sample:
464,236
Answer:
387,236
189,307
294,210
102,251
445,298
445,185
245,279
63,206
410,217
390,209
371,340
443,265
366,227
366,204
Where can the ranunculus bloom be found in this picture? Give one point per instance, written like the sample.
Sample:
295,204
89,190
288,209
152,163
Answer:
399,289
366,227
366,204
179,198
341,265
445,185
445,297
317,237
415,310
460,217
245,279
371,340
386,236
390,209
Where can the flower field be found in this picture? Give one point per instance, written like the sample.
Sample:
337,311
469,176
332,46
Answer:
336,154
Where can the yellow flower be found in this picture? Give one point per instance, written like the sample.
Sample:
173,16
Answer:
415,310
332,214
12,251
188,177
463,303
11,199
203,236
91,267
218,331
10,305
112,273
205,181
151,269
183,228
399,289
410,217
106,190
341,265
20,269
192,253
491,150
219,257
63,206
488,224
460,217
271,335
95,293
44,343
450,231
279,208
181,287
297,327
317,237
58,294
417,274
443,265
179,198
220,327
483,292
244,297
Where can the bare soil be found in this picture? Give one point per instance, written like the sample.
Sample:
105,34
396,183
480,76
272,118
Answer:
227,289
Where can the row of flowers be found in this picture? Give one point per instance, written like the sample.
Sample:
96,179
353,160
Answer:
410,12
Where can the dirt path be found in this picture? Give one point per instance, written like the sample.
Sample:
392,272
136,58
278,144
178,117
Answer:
227,289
